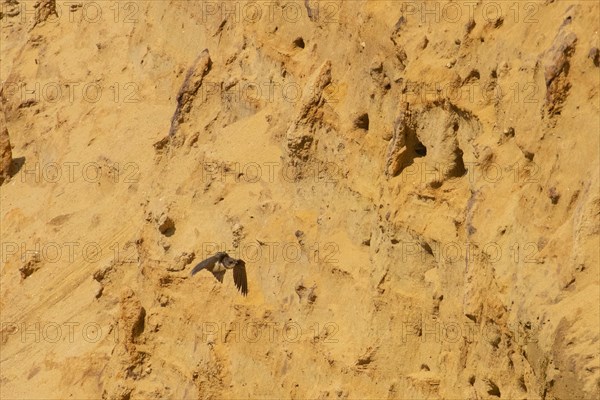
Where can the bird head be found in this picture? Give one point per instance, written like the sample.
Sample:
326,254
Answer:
229,262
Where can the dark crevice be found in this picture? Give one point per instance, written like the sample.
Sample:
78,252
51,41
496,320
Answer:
420,149
427,248
416,149
299,42
436,184
459,165
138,326
493,389
522,384
362,122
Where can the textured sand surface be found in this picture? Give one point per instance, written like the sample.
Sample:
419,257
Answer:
414,187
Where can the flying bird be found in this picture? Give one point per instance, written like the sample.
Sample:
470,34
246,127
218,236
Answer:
221,262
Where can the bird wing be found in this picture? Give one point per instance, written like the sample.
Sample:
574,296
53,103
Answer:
209,263
239,277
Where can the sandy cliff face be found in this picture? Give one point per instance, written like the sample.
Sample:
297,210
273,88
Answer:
414,188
